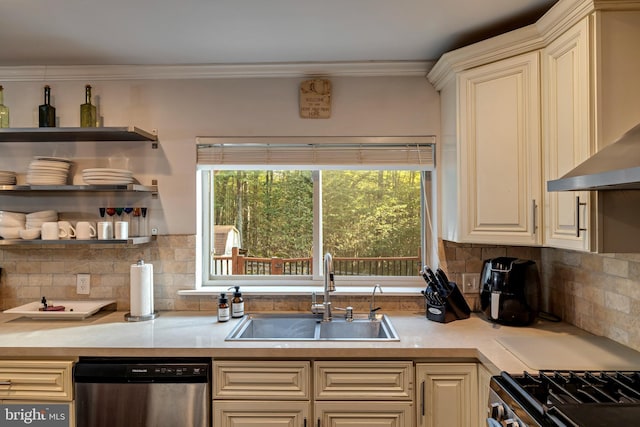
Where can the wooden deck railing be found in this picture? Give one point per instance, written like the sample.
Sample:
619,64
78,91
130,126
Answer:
239,264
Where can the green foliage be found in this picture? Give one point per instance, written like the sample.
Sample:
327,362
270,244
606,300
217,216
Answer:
365,213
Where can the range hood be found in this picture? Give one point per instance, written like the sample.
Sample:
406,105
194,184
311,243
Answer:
615,167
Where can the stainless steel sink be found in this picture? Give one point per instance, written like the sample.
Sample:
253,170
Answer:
308,327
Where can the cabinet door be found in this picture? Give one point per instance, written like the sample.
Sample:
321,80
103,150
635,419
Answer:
448,395
358,414
260,414
500,169
567,135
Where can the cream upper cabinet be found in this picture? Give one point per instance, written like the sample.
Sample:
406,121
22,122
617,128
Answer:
498,171
448,394
567,135
526,107
590,92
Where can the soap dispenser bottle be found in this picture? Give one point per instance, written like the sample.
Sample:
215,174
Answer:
223,308
237,303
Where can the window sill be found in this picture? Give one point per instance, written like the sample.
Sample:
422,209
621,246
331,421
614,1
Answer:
302,290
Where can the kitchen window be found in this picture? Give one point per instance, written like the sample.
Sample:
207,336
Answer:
271,207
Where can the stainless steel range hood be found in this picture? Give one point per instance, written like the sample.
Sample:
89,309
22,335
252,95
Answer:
615,167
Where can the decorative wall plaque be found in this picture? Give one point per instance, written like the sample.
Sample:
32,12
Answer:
315,99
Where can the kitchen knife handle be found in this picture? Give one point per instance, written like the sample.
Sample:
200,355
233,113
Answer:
578,228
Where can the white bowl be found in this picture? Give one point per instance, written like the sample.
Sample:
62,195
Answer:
10,232
30,234
42,214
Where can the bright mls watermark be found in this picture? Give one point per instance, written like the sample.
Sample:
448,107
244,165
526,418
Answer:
41,415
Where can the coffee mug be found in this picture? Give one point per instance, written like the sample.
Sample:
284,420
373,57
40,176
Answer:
51,231
67,230
85,231
122,230
105,231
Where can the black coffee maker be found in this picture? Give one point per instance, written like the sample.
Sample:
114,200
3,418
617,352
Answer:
510,291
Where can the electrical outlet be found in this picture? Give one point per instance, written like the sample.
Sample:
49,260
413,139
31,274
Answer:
83,284
471,283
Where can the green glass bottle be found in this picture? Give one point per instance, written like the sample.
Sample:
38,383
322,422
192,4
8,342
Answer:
4,111
87,111
47,112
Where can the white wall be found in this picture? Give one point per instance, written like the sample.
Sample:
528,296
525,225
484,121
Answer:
181,110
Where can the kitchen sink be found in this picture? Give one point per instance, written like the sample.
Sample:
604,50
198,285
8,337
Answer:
308,327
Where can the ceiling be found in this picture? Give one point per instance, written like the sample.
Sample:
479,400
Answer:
166,32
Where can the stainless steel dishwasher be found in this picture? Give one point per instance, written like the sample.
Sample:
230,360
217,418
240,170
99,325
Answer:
137,392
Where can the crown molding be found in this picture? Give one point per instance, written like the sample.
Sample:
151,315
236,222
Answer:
499,47
215,71
562,16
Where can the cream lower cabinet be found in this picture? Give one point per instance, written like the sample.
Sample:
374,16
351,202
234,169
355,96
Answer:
484,378
345,393
260,393
491,166
38,382
448,394
363,393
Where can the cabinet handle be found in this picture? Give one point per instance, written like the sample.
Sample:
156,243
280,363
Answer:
8,382
422,397
578,228
305,422
318,422
534,211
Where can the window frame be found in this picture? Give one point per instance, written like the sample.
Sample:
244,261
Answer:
285,283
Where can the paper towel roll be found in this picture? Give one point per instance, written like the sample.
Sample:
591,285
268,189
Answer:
141,289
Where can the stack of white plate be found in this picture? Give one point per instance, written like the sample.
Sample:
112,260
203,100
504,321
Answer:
48,171
36,219
10,224
7,178
105,176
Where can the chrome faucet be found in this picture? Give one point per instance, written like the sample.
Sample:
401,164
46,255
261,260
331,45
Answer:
372,303
329,286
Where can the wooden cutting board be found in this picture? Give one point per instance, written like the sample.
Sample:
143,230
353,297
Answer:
571,352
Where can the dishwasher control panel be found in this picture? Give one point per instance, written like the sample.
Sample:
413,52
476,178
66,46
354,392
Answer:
159,371
114,370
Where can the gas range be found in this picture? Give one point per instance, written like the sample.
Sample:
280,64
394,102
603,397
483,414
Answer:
565,398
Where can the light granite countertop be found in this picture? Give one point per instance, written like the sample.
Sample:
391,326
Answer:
177,334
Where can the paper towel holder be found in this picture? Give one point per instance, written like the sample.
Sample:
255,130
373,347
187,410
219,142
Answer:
131,318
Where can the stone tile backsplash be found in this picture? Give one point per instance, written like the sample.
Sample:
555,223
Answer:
599,293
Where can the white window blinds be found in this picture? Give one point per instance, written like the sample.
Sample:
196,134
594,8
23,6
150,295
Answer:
413,152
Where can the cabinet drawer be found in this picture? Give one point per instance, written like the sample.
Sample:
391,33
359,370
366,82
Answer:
36,380
375,380
261,380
